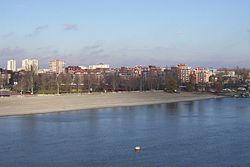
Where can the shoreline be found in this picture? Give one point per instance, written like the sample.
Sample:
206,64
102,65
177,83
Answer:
43,104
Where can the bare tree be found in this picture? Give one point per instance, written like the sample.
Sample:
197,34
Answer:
76,81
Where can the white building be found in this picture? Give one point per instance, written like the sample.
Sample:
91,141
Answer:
100,66
83,67
230,73
11,65
30,65
213,71
57,66
43,71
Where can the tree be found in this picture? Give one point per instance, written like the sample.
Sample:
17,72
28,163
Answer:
218,85
191,83
22,85
59,81
171,85
67,81
76,81
190,87
1,80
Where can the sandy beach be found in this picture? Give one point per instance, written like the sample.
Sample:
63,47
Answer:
38,104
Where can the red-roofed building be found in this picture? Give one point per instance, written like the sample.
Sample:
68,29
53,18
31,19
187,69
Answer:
201,75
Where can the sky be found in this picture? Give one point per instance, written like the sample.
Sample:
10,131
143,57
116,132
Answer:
208,33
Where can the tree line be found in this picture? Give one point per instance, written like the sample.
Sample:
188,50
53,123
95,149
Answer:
52,83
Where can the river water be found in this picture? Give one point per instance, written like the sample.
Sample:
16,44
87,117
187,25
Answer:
213,132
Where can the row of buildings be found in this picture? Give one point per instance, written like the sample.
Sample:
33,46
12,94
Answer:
56,66
127,78
32,65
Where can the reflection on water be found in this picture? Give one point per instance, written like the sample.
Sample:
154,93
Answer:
211,132
172,107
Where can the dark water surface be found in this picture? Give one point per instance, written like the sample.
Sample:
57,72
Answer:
212,133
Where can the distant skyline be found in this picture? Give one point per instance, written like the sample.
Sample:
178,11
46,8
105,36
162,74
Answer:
126,32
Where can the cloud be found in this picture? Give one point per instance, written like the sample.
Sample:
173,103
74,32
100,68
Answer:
92,47
68,26
10,34
92,50
11,53
248,30
180,33
40,28
91,54
37,30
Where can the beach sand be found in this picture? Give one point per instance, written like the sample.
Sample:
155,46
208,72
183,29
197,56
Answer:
38,104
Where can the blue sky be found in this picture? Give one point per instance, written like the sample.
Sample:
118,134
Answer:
127,32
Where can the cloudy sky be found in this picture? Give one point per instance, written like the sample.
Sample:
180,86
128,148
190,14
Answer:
127,32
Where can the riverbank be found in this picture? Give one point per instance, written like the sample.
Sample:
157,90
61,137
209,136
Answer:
38,104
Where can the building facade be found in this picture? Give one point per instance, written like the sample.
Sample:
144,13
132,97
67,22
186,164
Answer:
100,66
5,76
57,66
30,65
11,65
183,73
201,75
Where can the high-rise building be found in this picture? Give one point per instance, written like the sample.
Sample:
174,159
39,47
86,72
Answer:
202,75
30,65
57,66
11,65
183,72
